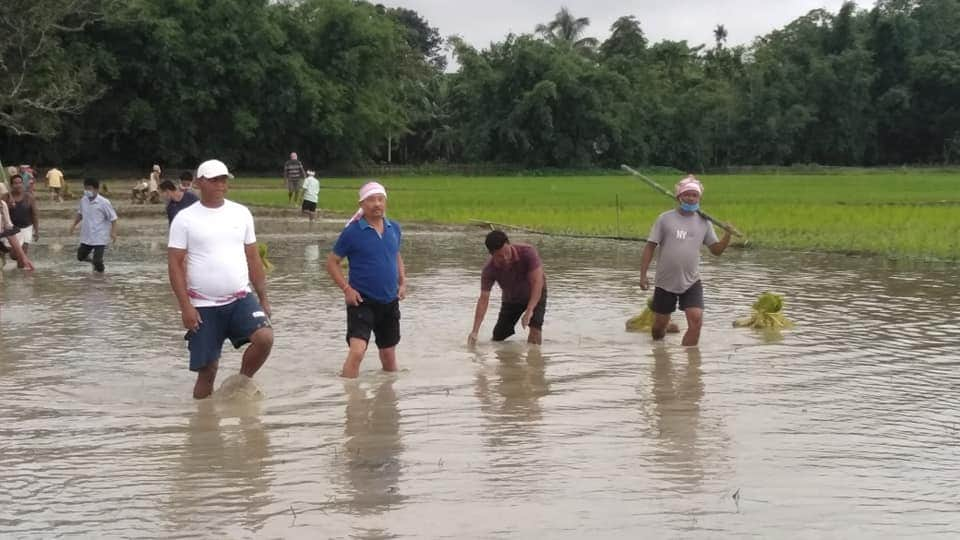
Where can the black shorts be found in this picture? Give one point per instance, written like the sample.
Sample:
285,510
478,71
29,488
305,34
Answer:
511,312
665,302
308,206
381,319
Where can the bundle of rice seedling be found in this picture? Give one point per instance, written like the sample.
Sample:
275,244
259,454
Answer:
643,321
262,250
767,312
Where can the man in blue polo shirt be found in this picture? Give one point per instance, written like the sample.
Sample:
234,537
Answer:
371,244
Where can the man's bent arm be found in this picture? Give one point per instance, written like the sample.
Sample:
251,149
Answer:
718,247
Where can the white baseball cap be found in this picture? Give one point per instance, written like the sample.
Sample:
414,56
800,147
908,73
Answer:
212,168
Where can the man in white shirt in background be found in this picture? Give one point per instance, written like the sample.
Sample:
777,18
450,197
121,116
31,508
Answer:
311,195
213,261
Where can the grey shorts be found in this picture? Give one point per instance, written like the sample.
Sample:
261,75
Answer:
294,185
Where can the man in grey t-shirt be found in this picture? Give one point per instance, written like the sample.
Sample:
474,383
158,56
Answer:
294,173
679,233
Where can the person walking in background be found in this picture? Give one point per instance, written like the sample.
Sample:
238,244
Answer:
22,209
212,261
371,244
99,224
518,270
153,185
311,195
679,233
175,199
55,183
293,174
26,172
186,181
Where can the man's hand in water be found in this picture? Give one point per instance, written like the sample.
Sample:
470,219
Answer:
191,318
472,339
525,320
644,283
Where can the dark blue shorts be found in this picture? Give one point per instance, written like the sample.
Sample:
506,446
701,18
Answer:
236,321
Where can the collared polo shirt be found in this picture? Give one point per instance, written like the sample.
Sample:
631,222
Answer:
373,258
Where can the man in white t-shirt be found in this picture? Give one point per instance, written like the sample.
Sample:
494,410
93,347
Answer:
213,260
311,194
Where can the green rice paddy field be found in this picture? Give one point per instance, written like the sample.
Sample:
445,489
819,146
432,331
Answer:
907,214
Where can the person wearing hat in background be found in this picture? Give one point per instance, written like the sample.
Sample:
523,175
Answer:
311,195
99,224
679,233
371,244
212,261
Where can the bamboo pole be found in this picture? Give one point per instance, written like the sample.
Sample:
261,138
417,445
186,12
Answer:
491,225
723,225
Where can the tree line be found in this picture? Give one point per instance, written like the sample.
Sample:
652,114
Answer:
133,82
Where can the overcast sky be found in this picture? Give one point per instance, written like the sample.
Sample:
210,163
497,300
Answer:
480,22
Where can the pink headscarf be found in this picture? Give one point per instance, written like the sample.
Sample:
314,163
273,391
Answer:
690,183
368,189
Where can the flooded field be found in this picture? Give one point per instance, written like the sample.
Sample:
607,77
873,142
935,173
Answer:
846,426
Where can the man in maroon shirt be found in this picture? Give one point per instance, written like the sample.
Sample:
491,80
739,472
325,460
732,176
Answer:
518,270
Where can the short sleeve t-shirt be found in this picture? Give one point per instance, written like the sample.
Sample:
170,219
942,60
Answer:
311,189
293,170
54,178
514,280
374,272
174,207
98,215
680,238
215,240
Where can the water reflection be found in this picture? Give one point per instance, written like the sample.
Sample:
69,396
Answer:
372,448
512,391
509,388
222,480
677,391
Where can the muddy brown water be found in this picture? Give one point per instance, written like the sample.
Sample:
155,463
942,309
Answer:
846,426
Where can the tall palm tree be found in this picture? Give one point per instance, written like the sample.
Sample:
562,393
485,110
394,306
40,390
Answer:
567,29
720,35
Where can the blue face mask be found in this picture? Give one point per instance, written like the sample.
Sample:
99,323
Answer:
89,194
687,207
